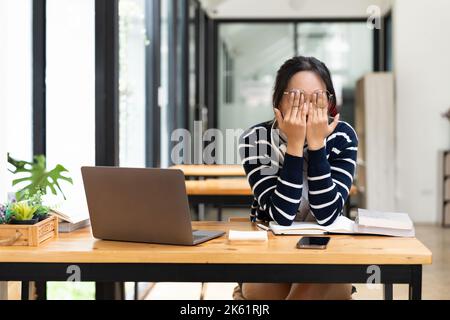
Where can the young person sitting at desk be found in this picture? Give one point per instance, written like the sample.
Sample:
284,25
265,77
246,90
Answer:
300,165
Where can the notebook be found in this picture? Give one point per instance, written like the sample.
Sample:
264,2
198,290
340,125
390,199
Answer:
367,222
72,214
386,223
340,225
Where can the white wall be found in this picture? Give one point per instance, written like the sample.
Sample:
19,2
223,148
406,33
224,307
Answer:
422,69
3,131
291,8
71,90
15,85
19,82
3,91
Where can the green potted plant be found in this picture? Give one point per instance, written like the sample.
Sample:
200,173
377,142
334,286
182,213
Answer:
22,212
42,211
37,176
27,207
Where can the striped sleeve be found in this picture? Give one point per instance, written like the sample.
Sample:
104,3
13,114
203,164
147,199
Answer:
330,180
277,190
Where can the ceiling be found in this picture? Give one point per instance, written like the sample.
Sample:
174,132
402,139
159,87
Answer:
284,9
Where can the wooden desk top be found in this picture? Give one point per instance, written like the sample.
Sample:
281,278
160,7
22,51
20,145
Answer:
219,187
213,170
81,247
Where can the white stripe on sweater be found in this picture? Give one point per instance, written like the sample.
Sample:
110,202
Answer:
282,196
348,160
265,191
245,145
343,134
351,128
270,213
252,158
343,171
252,131
264,142
263,179
319,177
284,214
337,151
323,190
256,169
290,184
326,219
320,206
342,185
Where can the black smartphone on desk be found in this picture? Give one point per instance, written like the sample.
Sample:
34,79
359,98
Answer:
313,242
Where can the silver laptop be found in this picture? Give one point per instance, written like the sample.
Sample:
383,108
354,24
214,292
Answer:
141,205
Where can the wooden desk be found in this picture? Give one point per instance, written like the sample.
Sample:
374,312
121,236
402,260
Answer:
220,192
222,187
199,172
346,260
212,170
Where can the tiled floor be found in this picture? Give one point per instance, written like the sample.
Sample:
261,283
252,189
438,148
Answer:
436,277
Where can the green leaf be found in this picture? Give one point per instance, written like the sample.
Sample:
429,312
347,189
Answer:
22,210
37,176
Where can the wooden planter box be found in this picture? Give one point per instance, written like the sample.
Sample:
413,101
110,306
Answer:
29,235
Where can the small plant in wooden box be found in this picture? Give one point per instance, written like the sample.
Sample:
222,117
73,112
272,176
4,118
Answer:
27,220
26,223
29,211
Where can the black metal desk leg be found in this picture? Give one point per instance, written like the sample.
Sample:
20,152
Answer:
41,290
136,291
347,207
388,291
109,291
25,291
415,285
219,213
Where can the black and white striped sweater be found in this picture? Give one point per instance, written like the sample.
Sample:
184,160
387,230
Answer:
276,177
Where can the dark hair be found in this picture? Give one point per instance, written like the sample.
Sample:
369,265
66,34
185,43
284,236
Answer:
297,64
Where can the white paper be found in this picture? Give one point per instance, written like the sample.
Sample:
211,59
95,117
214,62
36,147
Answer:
389,220
72,210
247,235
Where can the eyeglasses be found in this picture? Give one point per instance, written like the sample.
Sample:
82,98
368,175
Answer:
314,97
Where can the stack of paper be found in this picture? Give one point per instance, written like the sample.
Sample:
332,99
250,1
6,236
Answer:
385,223
72,215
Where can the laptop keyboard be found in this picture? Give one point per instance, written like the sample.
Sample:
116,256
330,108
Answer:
197,236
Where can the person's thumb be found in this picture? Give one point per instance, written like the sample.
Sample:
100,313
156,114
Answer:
278,115
335,122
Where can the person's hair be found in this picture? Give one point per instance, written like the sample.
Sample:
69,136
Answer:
297,64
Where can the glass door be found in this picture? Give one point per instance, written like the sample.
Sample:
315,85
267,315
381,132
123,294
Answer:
347,50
